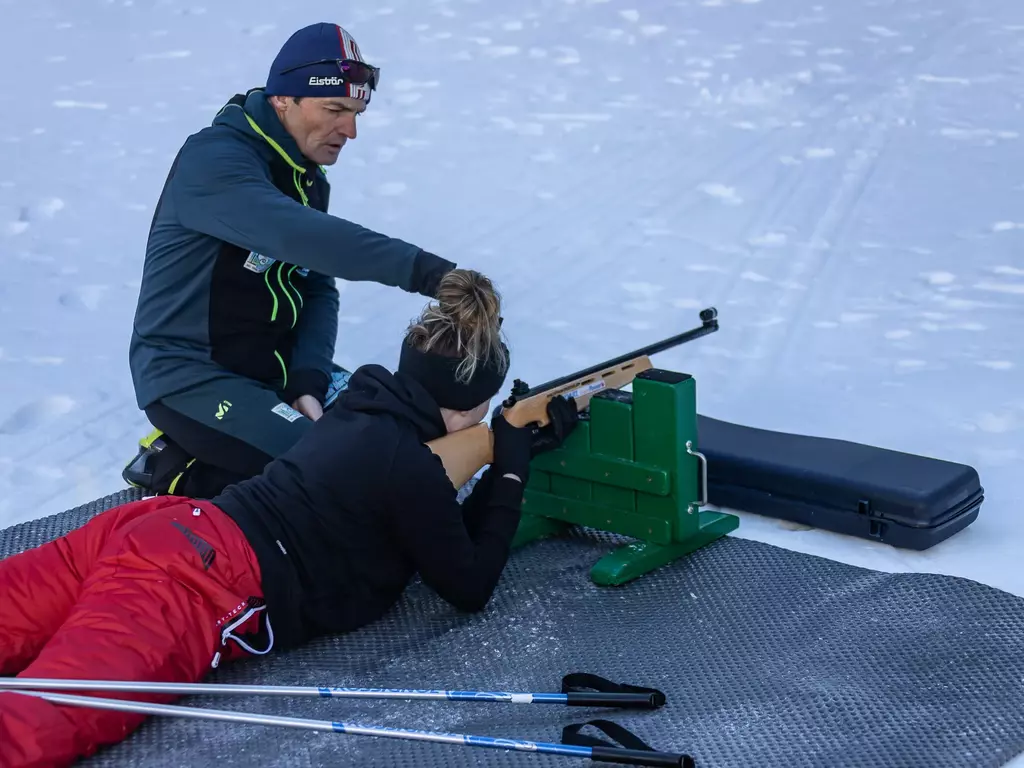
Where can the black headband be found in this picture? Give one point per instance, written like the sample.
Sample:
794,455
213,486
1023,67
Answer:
437,375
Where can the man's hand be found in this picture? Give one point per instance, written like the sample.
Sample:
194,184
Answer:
427,271
309,407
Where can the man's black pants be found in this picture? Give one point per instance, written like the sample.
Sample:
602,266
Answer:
232,427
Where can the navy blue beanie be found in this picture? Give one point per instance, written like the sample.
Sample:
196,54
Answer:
322,42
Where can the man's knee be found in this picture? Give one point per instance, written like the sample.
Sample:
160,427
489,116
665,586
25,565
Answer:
197,457
239,423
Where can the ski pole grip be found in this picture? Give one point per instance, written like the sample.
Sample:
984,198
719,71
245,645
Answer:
583,689
634,750
640,757
630,700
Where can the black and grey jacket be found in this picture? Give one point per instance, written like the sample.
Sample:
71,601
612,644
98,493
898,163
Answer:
240,267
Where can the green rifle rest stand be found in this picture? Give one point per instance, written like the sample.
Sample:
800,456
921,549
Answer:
632,468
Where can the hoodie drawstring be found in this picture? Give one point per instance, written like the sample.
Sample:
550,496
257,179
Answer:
228,634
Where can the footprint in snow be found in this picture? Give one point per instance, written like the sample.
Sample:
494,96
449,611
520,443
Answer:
501,51
768,240
157,55
37,413
642,290
42,210
20,224
84,297
721,192
47,208
882,31
939,278
688,304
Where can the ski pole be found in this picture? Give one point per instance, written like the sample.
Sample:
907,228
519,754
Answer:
614,695
605,754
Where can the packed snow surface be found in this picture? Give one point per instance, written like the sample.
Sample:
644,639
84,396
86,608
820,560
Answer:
844,181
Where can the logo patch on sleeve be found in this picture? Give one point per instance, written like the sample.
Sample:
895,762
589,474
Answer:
285,411
258,263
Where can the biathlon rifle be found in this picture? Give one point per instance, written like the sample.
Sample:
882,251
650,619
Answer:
466,452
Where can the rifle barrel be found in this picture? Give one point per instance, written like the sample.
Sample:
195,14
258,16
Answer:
709,324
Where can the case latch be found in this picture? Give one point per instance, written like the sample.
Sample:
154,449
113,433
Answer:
876,526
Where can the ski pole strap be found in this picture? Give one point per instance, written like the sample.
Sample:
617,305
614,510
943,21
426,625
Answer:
634,750
583,689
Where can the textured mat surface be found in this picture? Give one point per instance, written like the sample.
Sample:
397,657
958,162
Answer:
767,657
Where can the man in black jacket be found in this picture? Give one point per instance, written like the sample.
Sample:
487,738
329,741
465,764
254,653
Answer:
234,336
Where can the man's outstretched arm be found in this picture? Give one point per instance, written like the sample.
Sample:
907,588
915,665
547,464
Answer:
222,189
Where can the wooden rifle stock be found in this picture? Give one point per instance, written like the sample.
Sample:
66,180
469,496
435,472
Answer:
466,452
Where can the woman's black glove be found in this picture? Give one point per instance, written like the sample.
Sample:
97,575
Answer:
564,416
511,447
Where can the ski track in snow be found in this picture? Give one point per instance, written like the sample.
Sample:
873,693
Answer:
841,180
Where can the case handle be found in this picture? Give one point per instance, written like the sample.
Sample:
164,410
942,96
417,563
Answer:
695,506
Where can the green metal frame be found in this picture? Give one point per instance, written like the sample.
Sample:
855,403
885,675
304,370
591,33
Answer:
633,468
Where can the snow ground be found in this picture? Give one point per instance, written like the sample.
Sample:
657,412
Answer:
842,180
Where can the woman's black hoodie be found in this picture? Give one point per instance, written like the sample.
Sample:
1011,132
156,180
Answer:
343,520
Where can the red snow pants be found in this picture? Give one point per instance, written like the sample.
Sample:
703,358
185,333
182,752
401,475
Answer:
153,590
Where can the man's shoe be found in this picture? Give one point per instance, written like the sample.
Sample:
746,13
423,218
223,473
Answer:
158,465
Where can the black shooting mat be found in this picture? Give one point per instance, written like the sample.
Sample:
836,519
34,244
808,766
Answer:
767,658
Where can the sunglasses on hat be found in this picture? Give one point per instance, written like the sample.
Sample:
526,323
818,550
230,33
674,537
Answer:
353,71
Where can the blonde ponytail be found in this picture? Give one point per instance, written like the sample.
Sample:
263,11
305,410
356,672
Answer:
464,322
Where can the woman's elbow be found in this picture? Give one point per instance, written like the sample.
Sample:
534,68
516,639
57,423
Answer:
471,602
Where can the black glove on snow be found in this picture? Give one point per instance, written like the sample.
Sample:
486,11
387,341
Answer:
427,271
511,447
564,416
